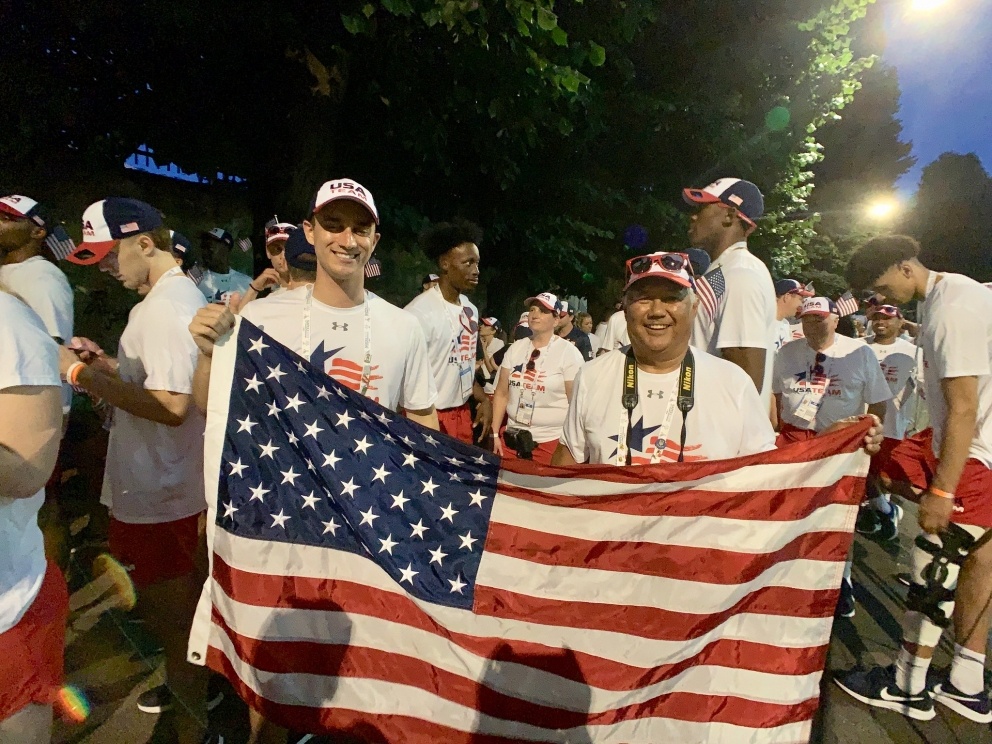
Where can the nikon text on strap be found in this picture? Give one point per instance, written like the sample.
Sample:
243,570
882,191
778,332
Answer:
684,401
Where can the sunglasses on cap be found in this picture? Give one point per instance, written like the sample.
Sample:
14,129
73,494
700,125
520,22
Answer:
817,369
670,262
532,362
886,311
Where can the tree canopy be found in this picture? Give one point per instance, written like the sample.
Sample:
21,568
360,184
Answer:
555,126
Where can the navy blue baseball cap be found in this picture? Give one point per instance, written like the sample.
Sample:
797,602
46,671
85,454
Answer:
299,251
791,286
741,195
109,220
219,234
182,248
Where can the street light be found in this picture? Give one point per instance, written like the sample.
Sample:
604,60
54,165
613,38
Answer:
882,209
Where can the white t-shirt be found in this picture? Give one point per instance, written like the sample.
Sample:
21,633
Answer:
154,472
727,420
218,287
898,362
745,314
615,336
600,330
30,358
594,343
957,342
850,381
786,332
400,375
43,286
452,332
537,397
495,345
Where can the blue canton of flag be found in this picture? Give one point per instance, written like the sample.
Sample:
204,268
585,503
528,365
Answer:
310,462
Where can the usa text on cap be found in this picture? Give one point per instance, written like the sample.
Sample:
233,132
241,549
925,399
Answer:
818,306
791,286
344,188
663,265
546,300
742,195
107,221
22,207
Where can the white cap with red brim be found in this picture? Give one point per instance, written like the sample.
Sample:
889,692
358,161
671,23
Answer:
546,300
344,188
818,306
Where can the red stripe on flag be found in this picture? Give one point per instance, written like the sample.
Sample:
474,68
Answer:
342,596
784,505
669,561
680,706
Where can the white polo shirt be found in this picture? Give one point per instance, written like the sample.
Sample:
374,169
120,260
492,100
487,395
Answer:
400,375
30,358
851,380
957,342
745,314
615,336
154,472
537,399
898,363
727,420
452,332
218,287
43,286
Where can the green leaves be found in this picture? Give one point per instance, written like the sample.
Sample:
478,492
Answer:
597,54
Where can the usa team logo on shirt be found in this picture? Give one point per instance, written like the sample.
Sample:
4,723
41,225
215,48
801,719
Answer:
463,347
528,379
644,444
344,370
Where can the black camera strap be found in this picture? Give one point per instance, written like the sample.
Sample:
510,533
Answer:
685,401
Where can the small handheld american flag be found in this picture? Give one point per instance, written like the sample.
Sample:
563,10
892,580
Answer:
245,245
196,274
711,289
59,243
846,305
373,268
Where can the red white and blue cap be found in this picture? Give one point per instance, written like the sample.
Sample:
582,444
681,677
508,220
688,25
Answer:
791,286
22,207
344,188
742,195
492,322
109,220
887,311
278,231
680,277
546,300
821,306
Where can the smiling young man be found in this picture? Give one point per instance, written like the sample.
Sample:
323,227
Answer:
954,480
742,328
451,324
220,281
153,484
356,337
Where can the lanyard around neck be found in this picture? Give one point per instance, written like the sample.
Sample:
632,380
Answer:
684,401
367,359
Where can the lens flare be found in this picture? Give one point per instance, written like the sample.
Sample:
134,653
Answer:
923,6
882,209
73,705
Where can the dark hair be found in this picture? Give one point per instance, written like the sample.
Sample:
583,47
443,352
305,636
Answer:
438,239
876,257
847,327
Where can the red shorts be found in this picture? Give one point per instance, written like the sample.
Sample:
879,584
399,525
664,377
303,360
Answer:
32,650
788,434
542,452
457,423
912,461
154,553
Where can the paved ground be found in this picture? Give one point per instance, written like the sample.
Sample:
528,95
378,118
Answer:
113,662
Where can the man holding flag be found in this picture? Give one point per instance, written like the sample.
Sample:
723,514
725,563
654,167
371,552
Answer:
361,341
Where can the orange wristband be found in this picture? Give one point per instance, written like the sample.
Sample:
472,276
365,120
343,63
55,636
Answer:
72,373
941,494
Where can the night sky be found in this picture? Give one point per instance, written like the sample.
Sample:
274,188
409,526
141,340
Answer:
944,61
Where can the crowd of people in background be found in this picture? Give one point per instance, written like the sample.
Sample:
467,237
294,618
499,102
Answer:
706,357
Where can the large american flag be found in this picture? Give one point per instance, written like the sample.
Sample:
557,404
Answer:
710,288
372,576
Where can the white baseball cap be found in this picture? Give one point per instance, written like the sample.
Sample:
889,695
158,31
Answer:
344,188
546,300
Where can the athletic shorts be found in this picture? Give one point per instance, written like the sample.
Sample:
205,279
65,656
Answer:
788,434
912,461
32,650
457,422
154,553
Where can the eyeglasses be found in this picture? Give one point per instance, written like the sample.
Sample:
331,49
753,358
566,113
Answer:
531,364
670,262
